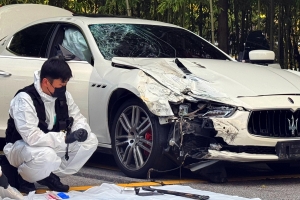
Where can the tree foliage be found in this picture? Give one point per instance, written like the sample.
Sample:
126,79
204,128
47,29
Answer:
233,19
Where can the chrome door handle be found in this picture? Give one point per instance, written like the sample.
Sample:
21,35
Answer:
4,74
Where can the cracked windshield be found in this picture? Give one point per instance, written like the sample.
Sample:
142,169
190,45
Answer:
136,40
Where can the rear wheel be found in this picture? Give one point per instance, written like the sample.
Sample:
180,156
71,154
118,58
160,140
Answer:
138,139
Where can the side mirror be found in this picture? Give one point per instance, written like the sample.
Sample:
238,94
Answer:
262,57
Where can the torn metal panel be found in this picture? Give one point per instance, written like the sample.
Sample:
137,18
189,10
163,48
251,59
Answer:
216,80
227,130
234,128
202,164
167,73
239,157
166,120
154,95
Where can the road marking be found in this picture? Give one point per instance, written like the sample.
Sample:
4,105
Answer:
135,184
159,183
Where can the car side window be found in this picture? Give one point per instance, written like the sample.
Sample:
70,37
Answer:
70,41
75,42
32,41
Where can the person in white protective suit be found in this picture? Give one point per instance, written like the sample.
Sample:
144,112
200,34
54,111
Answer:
41,140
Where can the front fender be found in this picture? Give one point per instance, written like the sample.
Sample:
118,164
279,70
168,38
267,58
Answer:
153,94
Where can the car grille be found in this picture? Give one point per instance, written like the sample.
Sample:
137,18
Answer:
275,123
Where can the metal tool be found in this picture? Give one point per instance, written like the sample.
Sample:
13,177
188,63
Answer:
70,121
181,194
137,192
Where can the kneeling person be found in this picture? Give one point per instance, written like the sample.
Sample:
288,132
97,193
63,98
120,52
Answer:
37,143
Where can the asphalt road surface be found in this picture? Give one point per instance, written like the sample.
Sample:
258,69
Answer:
245,180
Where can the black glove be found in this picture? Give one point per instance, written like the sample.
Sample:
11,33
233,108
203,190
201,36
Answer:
3,181
80,135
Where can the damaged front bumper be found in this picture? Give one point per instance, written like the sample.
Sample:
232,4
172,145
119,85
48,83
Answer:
225,139
239,157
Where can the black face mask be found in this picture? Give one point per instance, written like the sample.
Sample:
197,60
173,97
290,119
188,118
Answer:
58,92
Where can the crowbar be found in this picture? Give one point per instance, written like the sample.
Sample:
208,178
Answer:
181,194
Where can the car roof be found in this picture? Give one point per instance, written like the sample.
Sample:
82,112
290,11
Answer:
14,17
105,20
18,16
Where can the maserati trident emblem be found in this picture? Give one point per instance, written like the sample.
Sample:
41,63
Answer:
293,125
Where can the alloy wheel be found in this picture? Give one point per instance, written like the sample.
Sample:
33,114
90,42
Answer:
133,137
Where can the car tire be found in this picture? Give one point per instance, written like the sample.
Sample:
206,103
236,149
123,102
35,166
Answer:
138,140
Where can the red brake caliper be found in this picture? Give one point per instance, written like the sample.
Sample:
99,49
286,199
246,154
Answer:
148,136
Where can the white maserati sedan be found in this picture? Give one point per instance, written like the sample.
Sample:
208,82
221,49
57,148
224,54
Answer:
156,95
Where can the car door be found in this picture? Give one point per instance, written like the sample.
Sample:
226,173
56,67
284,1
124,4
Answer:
69,41
30,48
28,52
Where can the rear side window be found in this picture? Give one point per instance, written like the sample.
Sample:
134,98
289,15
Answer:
32,41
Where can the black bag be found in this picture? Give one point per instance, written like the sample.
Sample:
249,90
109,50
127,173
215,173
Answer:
10,172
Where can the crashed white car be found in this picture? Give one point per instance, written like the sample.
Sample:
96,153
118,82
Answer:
154,93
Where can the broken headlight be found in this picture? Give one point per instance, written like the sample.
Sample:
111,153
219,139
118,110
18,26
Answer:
219,111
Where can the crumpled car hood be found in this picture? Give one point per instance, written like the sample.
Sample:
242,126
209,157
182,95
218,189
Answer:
218,80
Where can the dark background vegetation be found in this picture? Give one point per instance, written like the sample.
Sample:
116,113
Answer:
232,19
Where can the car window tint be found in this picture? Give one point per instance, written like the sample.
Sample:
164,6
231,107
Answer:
139,40
32,41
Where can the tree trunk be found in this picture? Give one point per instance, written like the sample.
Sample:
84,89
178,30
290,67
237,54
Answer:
280,36
242,41
223,25
193,27
271,34
238,47
155,5
183,15
138,9
288,42
117,8
200,20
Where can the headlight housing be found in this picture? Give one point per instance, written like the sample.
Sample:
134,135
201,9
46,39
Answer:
219,111
204,110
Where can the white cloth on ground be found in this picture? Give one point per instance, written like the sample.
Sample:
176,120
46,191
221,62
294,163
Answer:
113,192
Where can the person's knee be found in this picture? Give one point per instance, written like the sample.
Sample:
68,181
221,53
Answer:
46,156
44,161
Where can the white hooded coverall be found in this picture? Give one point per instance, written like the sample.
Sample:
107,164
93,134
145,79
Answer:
38,154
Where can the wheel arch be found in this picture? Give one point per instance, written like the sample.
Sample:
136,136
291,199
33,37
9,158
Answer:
116,99
156,158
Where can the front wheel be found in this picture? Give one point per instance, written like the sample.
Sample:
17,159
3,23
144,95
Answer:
138,139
